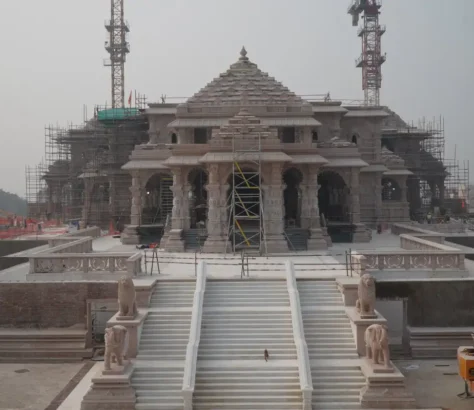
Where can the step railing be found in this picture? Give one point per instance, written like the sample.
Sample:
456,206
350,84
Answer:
190,364
302,354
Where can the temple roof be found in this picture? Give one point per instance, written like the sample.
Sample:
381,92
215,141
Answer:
245,84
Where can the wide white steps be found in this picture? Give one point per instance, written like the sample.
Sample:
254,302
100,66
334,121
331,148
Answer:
253,387
164,337
328,335
240,320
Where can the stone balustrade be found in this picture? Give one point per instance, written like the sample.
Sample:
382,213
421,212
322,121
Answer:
415,230
120,263
190,364
69,245
423,243
306,382
416,254
93,231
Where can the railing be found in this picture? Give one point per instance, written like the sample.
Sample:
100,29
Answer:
126,263
69,245
93,231
190,364
306,382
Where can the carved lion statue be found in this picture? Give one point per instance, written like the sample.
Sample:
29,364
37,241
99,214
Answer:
127,297
115,345
376,344
365,304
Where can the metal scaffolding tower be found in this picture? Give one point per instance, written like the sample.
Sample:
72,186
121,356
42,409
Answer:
245,204
118,48
371,59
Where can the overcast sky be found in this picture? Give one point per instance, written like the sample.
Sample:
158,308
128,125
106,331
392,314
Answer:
52,54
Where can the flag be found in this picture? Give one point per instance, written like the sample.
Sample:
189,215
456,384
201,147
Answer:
130,99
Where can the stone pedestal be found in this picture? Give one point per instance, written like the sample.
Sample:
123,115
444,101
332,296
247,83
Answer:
384,390
361,234
348,288
326,237
276,243
130,236
175,242
111,390
360,325
134,330
217,244
316,241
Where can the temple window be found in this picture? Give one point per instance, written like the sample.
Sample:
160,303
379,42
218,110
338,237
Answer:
200,135
354,139
314,136
174,138
288,135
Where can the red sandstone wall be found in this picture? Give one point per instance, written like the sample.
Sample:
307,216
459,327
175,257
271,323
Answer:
52,304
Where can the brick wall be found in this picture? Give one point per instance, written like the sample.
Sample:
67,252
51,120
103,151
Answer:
51,304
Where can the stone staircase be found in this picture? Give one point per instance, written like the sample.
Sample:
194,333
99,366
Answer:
297,239
158,375
240,320
44,345
194,238
331,345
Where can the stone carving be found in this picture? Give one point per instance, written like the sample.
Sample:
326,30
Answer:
126,298
115,345
365,304
336,142
376,344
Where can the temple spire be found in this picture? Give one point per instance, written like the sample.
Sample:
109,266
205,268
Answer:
243,54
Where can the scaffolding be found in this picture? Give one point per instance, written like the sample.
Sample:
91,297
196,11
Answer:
245,204
81,176
437,182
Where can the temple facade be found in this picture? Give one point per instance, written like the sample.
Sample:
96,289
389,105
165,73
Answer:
303,174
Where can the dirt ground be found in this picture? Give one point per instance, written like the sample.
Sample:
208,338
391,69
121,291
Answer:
435,383
35,386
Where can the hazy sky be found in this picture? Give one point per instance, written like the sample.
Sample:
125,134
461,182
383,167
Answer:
52,54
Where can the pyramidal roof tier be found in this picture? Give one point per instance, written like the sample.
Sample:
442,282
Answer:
244,85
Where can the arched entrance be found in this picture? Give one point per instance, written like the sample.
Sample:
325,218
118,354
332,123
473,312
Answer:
334,205
333,197
245,199
158,201
292,178
198,179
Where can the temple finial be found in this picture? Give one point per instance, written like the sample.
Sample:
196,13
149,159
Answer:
243,54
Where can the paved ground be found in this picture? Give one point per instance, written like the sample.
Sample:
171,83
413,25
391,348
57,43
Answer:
34,386
435,383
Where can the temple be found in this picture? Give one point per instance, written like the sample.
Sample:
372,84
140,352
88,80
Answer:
250,163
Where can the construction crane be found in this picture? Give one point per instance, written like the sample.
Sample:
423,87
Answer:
371,59
118,47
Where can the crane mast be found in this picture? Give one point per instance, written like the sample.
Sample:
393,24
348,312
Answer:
118,47
371,59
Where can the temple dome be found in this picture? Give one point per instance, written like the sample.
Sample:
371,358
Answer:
244,84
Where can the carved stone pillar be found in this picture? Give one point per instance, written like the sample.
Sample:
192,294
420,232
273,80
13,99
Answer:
130,235
361,233
273,211
317,238
216,219
378,198
175,241
135,189
112,198
88,185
